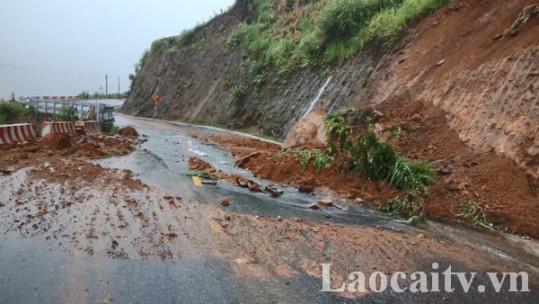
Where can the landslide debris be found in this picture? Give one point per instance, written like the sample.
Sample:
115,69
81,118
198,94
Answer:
129,132
57,146
57,141
504,191
205,170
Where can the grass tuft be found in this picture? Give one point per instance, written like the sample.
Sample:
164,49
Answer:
409,207
374,157
472,211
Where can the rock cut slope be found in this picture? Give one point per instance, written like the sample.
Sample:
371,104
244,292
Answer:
487,84
461,82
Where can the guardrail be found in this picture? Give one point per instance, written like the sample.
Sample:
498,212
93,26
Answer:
83,110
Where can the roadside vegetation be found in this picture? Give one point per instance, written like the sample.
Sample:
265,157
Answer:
319,159
10,110
175,43
355,146
291,34
474,213
110,128
85,95
410,207
287,35
369,153
237,92
67,113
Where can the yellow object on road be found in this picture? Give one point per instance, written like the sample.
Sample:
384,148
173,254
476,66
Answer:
197,181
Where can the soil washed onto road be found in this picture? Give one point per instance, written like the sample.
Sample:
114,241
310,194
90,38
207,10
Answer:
114,211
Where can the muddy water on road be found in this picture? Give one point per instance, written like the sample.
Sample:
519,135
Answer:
163,163
106,241
110,241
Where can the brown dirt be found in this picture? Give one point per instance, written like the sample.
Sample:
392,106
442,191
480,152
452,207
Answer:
50,177
129,132
86,146
196,163
57,141
55,147
454,75
88,210
494,182
268,164
466,101
487,87
280,245
100,218
89,150
77,171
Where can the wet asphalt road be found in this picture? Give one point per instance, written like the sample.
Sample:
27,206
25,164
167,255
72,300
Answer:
33,272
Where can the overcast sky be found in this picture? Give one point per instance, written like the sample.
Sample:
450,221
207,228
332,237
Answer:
64,47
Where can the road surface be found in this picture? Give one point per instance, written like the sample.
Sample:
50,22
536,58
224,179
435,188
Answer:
172,242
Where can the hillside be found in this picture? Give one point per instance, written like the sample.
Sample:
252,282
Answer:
259,65
462,80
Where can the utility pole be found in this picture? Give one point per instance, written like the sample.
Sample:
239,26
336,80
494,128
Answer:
119,93
106,85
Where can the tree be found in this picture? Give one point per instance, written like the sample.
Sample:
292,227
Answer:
84,95
12,96
67,114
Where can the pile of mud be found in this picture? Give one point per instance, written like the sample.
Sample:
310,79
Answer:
129,132
266,161
495,183
467,60
63,147
86,146
198,164
56,141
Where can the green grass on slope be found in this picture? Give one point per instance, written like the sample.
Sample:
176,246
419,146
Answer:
294,34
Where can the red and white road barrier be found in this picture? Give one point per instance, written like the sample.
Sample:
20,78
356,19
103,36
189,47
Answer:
58,127
18,133
91,127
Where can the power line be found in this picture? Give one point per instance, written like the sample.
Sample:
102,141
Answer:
29,70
